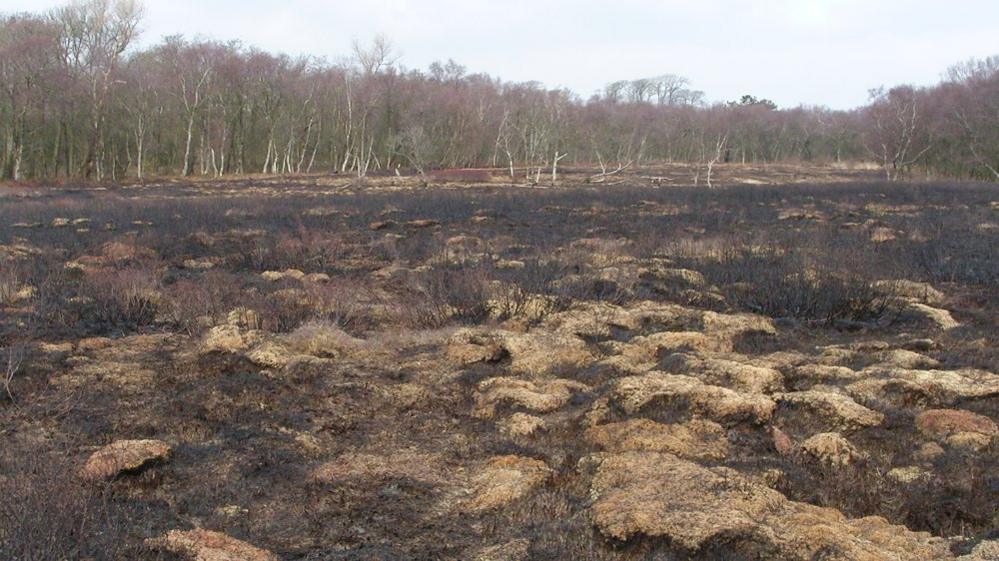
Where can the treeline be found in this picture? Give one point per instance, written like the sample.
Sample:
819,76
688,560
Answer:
79,101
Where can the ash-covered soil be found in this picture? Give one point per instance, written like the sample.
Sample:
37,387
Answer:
373,372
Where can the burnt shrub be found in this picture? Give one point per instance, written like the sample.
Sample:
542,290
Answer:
611,290
198,302
531,290
956,498
46,308
283,309
48,513
309,250
126,252
860,489
11,358
10,283
783,282
952,249
293,303
119,300
449,293
960,498
341,302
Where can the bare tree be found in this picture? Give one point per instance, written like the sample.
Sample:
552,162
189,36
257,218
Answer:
95,34
190,65
974,104
376,57
974,70
27,64
75,100
139,102
720,141
710,141
614,92
671,89
641,90
897,135
416,147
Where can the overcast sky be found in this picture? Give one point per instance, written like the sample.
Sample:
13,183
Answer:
815,52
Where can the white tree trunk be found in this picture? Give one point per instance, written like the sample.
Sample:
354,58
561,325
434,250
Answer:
555,162
187,147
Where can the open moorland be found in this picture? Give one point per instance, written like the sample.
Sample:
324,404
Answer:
798,364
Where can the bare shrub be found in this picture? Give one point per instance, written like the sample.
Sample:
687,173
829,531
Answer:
781,282
10,364
596,288
197,303
53,285
320,338
293,304
126,252
284,309
532,289
950,500
450,293
122,299
338,302
9,284
309,250
952,249
303,248
48,514
860,489
960,498
385,249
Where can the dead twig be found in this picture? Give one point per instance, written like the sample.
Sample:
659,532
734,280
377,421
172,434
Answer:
602,176
10,366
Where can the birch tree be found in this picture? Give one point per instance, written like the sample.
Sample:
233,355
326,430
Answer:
897,134
27,71
95,35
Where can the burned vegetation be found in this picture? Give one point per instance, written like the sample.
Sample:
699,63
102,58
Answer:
318,368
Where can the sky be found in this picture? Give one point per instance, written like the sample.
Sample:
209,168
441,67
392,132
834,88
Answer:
811,52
